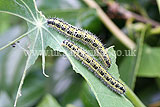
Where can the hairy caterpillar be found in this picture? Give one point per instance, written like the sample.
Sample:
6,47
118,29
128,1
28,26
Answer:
82,35
95,67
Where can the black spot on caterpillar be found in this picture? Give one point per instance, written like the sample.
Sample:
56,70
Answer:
82,35
95,67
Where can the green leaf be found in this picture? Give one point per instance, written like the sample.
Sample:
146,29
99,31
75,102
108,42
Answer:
149,66
17,8
127,70
41,36
48,101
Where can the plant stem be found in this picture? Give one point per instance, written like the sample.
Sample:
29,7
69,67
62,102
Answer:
119,11
20,37
139,54
25,70
132,97
129,93
110,25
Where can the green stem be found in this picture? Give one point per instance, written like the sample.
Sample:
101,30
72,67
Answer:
17,39
132,97
139,55
129,93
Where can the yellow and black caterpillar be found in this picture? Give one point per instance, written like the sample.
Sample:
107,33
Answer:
82,35
95,67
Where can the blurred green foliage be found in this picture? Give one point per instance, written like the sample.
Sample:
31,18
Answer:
65,87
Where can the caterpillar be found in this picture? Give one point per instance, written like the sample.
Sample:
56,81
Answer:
95,67
82,35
